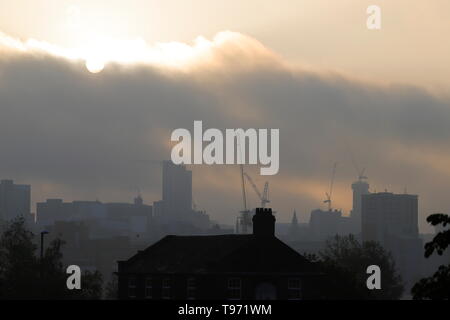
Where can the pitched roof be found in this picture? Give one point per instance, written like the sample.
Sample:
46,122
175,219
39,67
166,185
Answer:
218,254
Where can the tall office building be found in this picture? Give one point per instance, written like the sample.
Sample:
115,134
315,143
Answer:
14,200
359,188
174,212
177,189
385,215
392,220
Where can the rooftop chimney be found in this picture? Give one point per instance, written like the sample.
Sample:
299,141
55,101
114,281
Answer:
264,222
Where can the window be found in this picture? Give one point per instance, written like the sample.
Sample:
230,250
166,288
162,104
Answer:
234,288
166,285
191,286
148,288
294,289
132,287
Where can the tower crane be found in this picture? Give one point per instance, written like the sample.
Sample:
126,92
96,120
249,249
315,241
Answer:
330,192
264,197
359,171
244,221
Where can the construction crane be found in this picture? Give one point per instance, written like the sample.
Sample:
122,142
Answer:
359,171
264,197
330,192
361,175
244,221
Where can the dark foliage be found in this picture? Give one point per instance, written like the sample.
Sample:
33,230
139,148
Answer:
24,276
112,288
436,287
442,240
345,262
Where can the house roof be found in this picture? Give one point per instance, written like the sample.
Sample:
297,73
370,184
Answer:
217,254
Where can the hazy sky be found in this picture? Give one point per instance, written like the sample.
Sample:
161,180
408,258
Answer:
310,68
411,47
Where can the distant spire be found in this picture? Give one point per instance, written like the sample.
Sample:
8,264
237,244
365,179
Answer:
294,228
294,218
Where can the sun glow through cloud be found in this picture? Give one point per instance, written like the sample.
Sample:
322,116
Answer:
94,40
101,50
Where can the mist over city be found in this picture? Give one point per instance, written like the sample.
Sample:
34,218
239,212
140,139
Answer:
91,94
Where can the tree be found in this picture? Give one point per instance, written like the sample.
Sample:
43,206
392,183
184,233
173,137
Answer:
112,288
345,261
52,275
91,286
436,287
18,264
25,276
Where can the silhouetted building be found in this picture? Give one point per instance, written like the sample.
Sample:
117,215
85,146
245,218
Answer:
255,266
385,214
294,231
75,234
14,200
392,220
359,188
294,228
325,224
176,189
136,217
52,210
174,213
103,219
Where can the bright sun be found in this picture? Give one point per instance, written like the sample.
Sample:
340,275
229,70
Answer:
95,65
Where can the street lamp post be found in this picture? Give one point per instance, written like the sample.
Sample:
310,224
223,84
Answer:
42,243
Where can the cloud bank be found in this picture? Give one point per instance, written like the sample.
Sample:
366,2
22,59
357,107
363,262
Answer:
78,135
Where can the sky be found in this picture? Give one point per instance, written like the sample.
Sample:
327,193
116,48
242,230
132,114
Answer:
91,90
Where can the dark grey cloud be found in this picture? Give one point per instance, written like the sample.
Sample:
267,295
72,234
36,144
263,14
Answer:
76,134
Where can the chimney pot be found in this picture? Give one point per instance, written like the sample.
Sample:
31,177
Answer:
264,222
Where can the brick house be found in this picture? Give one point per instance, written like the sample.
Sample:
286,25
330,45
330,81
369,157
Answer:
255,266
